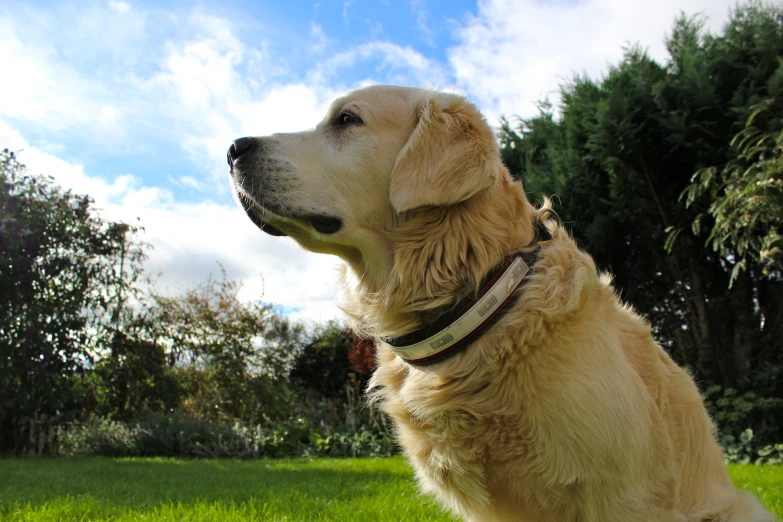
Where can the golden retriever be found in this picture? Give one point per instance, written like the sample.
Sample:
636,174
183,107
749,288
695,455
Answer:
565,409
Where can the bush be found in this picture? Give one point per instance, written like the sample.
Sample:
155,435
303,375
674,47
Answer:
364,444
323,365
100,437
734,411
743,450
178,436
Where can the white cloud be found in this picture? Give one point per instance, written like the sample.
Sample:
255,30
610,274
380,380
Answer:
321,40
204,68
207,97
119,6
395,63
46,60
109,127
66,174
190,182
419,8
36,92
190,239
515,53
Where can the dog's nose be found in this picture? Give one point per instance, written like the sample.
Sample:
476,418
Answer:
239,147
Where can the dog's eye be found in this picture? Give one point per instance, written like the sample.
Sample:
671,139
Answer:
348,118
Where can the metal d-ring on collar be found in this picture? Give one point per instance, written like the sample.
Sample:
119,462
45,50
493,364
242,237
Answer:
541,218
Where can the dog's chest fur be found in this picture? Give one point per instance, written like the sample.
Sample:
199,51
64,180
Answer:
461,435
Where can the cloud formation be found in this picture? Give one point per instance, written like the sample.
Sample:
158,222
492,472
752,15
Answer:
142,121
190,240
516,53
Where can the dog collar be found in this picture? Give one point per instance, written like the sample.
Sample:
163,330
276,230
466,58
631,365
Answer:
474,314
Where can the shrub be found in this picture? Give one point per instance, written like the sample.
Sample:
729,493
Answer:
734,411
178,436
99,436
743,450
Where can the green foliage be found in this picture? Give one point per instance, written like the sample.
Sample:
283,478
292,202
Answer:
100,437
176,435
621,151
532,152
58,277
351,444
137,376
323,365
746,194
744,450
732,411
232,356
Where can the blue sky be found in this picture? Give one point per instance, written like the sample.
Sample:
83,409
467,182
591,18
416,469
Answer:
115,48
135,103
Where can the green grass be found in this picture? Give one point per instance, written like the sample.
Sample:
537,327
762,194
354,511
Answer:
208,490
200,490
766,482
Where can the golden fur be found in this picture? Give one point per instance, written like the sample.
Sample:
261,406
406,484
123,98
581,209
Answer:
566,410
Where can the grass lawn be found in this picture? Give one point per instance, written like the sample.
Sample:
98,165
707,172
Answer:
766,482
200,490
211,490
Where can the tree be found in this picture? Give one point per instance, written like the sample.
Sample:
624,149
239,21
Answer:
746,194
323,365
138,376
621,152
233,356
58,270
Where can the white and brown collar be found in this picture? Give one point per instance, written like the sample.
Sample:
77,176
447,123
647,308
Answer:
474,314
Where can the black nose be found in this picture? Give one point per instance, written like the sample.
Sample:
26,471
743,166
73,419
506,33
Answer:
239,147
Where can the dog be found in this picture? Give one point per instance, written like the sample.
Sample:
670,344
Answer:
520,386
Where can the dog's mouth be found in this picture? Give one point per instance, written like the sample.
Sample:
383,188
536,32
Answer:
269,229
254,213
321,223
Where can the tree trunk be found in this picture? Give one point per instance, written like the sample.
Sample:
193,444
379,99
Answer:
709,353
771,304
742,306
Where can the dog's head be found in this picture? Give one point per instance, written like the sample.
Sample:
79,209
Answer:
378,154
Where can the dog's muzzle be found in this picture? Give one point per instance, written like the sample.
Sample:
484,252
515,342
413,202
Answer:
239,147
239,157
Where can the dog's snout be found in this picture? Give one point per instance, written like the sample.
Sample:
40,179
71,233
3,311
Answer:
237,148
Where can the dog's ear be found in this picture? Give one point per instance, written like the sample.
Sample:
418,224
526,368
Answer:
450,156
